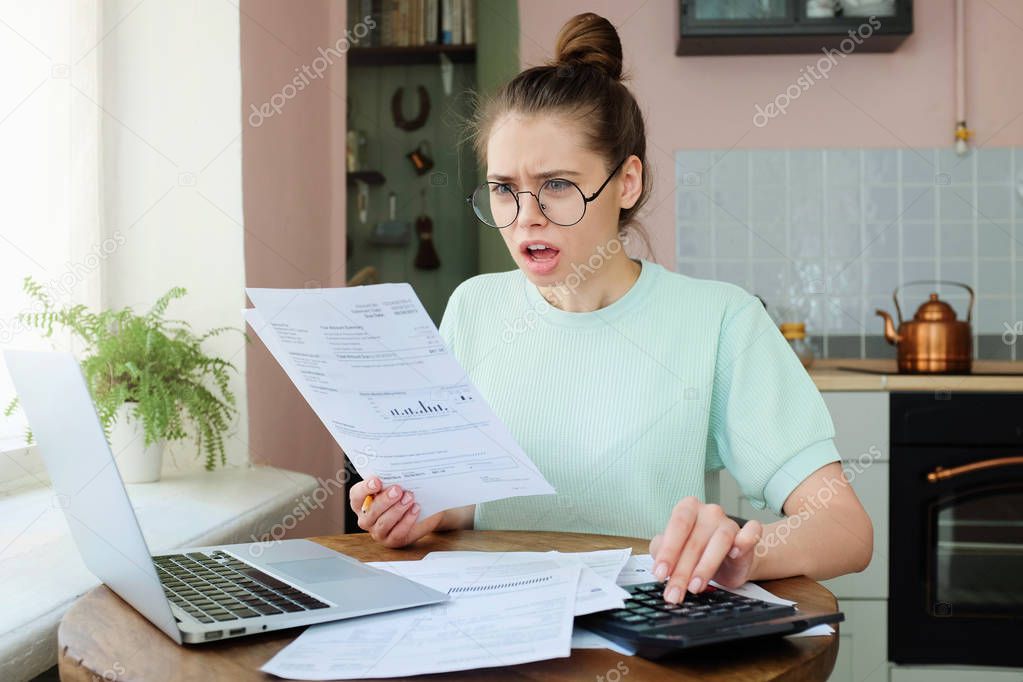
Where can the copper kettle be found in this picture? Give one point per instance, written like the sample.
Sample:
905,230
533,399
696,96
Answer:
934,341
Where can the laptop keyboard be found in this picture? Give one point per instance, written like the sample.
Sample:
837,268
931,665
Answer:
216,587
647,608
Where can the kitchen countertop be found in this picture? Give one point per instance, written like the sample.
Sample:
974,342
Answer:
828,376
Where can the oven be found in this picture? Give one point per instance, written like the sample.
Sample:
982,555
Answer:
956,541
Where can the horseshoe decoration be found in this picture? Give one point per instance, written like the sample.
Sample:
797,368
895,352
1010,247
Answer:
424,109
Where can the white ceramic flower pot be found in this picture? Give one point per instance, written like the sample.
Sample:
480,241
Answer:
136,462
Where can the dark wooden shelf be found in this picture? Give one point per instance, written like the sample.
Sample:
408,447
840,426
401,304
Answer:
418,54
370,177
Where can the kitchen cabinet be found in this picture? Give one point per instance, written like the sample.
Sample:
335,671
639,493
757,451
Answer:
863,642
947,673
787,26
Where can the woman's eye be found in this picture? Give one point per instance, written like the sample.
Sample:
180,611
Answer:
558,185
500,189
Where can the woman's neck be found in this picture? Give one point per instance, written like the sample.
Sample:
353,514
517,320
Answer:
595,288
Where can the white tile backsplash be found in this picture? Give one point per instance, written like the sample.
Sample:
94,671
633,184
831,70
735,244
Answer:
994,165
919,166
825,235
994,202
880,166
959,169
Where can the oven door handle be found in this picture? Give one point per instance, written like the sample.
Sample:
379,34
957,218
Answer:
941,473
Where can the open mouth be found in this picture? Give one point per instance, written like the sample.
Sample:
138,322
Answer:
540,252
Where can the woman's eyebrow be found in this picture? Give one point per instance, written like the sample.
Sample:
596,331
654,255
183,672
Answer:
558,172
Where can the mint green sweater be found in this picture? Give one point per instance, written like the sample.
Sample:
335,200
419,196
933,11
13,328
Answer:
626,408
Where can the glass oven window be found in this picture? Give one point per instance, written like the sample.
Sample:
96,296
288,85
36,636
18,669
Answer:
978,554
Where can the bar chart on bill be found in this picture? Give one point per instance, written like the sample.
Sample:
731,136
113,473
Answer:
405,405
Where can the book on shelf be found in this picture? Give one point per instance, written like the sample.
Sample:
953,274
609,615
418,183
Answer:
411,23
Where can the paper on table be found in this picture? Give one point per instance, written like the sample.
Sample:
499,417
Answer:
754,591
587,639
607,563
534,601
597,590
639,569
370,363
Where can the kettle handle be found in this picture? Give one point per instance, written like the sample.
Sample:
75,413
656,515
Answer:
895,294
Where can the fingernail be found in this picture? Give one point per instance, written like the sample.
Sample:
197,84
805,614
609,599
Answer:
415,508
393,494
406,498
734,553
695,584
673,595
373,484
661,570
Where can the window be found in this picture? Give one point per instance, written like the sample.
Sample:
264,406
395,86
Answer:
49,170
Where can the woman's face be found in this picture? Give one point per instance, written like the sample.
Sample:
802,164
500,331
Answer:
523,152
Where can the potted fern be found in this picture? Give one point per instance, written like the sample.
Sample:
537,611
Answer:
149,378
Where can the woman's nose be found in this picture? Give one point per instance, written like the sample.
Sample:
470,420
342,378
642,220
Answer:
530,214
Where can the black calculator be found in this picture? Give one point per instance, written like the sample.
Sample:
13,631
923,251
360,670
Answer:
656,628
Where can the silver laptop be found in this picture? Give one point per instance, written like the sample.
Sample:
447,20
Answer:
194,595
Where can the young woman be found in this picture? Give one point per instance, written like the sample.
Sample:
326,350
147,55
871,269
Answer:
624,382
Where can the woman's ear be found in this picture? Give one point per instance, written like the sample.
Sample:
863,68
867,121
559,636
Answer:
631,182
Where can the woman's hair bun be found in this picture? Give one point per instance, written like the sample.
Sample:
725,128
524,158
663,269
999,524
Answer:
590,39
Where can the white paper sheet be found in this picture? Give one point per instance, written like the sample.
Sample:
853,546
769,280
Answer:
374,369
597,590
500,614
637,570
586,639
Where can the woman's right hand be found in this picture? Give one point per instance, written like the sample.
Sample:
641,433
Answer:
393,516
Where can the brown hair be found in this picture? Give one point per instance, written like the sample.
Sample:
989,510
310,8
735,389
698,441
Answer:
584,81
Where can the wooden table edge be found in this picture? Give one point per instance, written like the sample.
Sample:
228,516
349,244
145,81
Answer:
74,664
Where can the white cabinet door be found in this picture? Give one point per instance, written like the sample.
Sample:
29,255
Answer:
863,642
861,423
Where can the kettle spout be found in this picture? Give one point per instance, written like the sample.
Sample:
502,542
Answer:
890,334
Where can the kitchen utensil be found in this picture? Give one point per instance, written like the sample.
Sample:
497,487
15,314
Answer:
426,256
355,142
390,232
934,341
420,158
362,200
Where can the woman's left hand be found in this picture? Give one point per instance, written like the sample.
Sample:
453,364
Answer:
699,544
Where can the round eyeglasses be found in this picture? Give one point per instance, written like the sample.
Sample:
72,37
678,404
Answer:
496,204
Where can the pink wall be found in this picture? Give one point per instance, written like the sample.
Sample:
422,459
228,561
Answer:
294,203
899,99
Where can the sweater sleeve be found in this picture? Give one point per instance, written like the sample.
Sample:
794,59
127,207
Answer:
769,424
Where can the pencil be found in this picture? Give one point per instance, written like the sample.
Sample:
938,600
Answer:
366,502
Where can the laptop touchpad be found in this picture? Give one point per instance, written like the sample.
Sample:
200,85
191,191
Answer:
320,570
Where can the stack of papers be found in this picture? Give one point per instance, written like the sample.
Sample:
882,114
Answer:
505,608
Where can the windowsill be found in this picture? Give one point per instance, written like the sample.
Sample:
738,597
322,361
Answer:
42,573
21,466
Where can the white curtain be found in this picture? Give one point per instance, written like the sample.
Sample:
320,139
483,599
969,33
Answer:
50,167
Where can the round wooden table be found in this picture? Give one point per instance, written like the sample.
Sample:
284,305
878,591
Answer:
102,637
